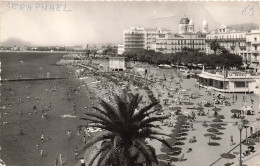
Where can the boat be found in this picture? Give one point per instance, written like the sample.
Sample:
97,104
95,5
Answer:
183,69
164,66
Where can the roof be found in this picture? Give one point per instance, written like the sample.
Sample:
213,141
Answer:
184,21
117,57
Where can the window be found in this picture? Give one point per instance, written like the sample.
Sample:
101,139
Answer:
255,39
255,47
240,84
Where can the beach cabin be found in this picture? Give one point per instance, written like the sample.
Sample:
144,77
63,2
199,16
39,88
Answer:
116,63
229,81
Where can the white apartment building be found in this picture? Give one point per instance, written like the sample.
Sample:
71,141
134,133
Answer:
120,49
252,52
231,40
186,38
245,44
141,38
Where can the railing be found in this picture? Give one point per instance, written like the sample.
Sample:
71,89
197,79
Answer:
227,39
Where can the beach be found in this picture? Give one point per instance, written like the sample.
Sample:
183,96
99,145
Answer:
84,90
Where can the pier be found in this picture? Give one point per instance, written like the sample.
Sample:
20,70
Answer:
32,79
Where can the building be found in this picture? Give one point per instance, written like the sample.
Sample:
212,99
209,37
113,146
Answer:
186,38
245,44
233,41
229,81
116,63
252,52
120,49
141,38
172,43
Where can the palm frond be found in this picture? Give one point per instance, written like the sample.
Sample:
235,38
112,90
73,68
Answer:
95,139
134,103
102,149
100,118
140,115
110,109
146,152
152,119
122,108
161,140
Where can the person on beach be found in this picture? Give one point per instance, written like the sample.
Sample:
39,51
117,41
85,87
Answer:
84,139
56,162
41,152
69,135
76,153
82,162
42,138
231,140
61,160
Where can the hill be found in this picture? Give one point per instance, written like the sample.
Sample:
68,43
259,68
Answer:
10,42
243,27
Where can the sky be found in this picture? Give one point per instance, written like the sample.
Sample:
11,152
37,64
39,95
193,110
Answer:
81,23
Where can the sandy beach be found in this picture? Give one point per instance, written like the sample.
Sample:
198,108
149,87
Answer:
83,88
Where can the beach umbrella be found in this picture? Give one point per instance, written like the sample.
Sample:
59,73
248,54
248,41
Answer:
213,144
167,149
188,103
219,133
245,122
217,120
179,143
209,135
174,153
227,156
235,111
215,125
170,141
220,117
163,157
216,138
221,128
212,130
216,109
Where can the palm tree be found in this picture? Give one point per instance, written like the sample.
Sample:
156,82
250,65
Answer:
125,130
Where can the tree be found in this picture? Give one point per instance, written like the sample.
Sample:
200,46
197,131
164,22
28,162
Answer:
214,45
123,141
110,50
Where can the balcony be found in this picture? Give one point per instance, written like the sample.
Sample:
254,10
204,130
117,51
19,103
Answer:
255,43
227,39
255,51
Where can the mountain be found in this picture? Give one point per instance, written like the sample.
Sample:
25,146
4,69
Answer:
243,27
10,42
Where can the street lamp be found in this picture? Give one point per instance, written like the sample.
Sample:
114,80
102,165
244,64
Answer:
240,127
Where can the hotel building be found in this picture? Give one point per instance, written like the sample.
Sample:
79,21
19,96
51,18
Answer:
163,40
141,38
245,44
231,40
252,52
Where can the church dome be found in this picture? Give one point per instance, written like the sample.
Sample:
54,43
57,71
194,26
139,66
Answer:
184,21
